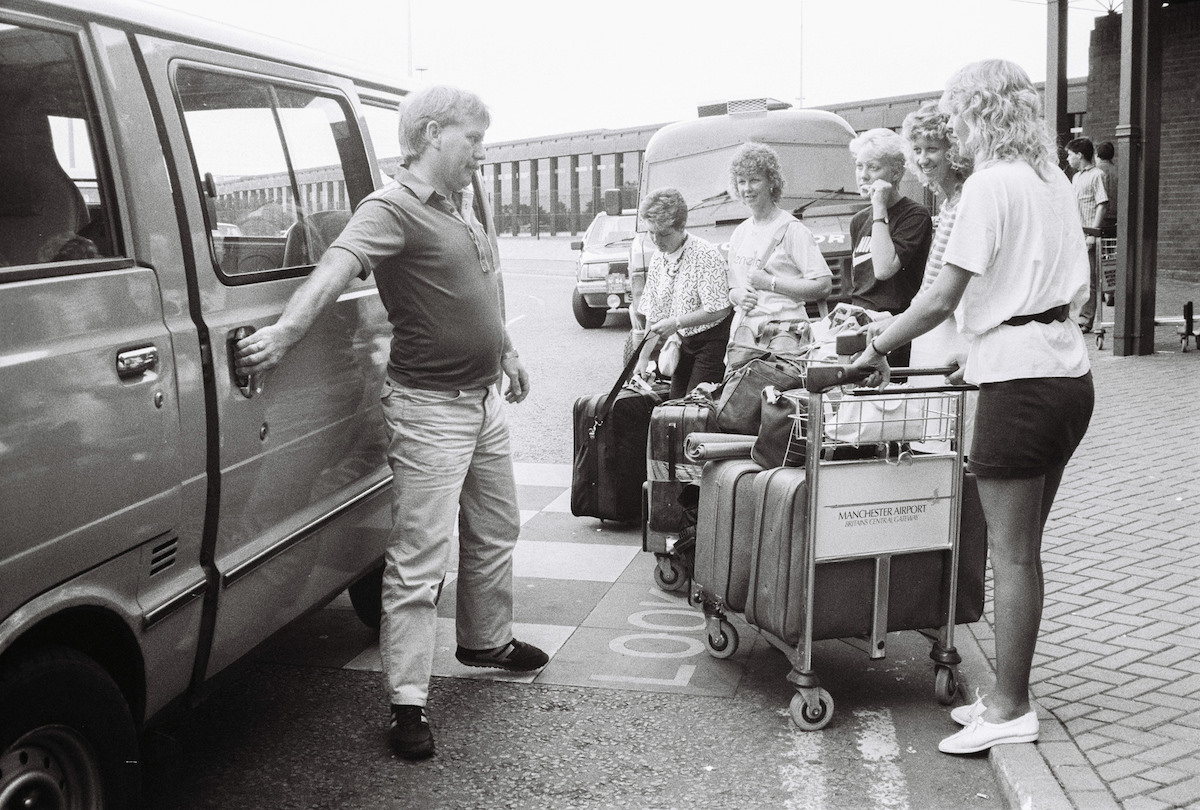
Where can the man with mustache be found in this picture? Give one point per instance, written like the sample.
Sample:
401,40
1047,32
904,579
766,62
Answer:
437,276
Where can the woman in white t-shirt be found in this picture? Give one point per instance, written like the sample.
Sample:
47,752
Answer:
775,265
1014,269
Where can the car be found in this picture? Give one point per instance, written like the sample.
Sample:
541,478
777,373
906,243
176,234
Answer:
602,274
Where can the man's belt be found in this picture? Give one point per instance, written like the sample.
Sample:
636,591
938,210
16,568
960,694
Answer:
1058,313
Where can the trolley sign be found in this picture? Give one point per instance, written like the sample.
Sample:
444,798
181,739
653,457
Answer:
907,506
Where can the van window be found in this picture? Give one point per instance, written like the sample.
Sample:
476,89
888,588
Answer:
280,168
55,203
383,125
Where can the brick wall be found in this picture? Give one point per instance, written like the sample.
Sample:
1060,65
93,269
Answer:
1179,174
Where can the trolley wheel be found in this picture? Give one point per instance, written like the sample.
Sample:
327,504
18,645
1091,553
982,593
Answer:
1099,338
945,685
725,643
669,575
809,718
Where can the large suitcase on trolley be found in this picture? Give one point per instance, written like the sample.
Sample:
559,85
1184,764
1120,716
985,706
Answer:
721,574
610,448
668,471
844,591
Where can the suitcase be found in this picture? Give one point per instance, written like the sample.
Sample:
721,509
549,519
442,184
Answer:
610,448
844,591
668,471
721,568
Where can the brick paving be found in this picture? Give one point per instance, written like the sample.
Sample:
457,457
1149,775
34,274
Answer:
1117,669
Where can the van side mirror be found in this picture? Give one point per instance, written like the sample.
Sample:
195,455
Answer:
577,245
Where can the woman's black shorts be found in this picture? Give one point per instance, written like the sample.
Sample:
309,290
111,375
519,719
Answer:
1026,428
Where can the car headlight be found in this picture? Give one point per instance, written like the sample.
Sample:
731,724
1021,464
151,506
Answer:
595,270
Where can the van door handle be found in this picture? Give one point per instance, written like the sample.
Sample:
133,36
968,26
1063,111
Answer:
246,383
133,363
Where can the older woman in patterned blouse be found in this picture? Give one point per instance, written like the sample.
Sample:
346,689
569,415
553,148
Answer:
686,293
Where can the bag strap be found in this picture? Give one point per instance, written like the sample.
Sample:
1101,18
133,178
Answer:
626,373
775,242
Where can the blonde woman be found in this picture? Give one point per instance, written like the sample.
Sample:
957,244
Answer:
1014,269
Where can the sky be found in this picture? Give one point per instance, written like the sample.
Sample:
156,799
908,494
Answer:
548,67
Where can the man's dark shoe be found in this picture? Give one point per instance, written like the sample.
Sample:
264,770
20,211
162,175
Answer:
515,656
409,733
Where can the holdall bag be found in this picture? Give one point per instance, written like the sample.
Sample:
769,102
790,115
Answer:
609,465
780,441
739,406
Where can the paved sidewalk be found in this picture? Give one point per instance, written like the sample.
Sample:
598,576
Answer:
1117,670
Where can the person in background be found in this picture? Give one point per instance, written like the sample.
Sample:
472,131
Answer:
775,266
686,293
1092,199
1014,264
939,165
451,460
1105,153
891,237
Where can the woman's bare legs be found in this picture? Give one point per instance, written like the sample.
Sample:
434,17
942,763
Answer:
1016,510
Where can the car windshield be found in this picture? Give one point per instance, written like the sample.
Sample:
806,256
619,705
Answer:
610,231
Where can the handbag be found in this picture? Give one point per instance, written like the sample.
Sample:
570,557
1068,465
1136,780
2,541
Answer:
739,407
668,355
879,418
780,441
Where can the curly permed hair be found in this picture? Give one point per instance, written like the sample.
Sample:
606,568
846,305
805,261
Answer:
928,123
757,158
1002,113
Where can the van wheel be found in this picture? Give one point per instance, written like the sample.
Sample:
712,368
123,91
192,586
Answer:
67,738
588,317
367,597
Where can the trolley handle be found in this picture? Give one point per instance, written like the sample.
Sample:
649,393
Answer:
823,378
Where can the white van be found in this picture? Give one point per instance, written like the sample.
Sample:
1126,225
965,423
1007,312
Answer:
165,185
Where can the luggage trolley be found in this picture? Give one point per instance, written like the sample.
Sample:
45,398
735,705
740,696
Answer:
853,515
1107,258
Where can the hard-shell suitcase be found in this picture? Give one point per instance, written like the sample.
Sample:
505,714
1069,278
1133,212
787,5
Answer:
844,591
668,471
610,448
721,570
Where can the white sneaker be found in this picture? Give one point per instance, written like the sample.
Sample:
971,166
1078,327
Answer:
981,735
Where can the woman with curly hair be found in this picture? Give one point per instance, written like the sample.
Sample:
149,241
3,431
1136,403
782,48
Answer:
775,265
939,165
1015,266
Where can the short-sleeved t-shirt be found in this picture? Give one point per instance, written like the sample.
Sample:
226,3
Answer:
796,257
437,277
1020,237
1090,192
911,228
692,278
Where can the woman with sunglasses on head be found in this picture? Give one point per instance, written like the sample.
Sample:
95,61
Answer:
1014,270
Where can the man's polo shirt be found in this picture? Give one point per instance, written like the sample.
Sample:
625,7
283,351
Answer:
437,278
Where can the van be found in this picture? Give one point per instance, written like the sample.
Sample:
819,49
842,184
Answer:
166,183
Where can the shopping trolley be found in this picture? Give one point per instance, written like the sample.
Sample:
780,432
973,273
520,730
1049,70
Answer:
852,548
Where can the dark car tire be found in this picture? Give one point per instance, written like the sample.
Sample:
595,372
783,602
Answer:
588,317
67,737
366,596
